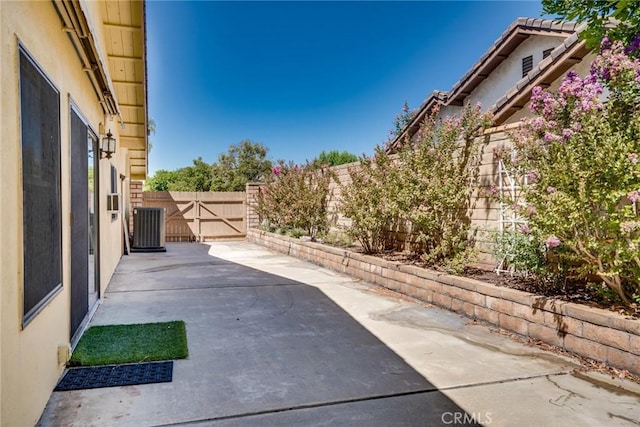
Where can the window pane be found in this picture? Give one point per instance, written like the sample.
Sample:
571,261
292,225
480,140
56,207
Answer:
42,227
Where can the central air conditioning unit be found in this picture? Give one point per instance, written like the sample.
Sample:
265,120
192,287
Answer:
148,230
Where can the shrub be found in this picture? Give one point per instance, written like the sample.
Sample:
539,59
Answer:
295,199
423,190
580,156
370,201
438,174
523,254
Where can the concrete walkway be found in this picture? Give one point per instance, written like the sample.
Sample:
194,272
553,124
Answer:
274,341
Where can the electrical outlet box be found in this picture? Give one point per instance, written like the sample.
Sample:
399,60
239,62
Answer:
64,354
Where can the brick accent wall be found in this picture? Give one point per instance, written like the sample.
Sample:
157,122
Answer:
594,333
136,200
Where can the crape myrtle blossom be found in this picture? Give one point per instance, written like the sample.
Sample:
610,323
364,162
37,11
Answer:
551,137
575,94
634,47
583,144
552,242
524,228
618,66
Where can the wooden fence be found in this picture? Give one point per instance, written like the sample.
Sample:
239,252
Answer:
200,216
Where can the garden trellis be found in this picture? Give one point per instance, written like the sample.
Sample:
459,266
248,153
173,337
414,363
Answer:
510,183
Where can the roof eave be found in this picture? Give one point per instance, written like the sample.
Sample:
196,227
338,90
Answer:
544,74
516,34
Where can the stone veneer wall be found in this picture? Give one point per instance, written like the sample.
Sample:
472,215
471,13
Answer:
594,333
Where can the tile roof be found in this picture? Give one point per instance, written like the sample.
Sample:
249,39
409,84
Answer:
571,51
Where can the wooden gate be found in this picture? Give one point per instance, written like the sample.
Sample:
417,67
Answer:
200,216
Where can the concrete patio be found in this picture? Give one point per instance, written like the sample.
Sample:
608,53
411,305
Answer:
278,341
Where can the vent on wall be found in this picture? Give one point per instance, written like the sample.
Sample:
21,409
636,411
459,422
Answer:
546,52
527,65
148,230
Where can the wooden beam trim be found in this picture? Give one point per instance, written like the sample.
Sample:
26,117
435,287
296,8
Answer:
128,58
124,82
122,26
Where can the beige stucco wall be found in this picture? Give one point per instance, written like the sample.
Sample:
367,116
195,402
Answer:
582,68
29,367
509,72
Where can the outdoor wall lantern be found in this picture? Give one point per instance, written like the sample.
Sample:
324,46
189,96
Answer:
107,145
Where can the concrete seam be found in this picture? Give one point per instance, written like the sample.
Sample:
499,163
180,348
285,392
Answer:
301,407
195,288
359,399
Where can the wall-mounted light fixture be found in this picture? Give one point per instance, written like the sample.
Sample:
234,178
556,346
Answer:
107,145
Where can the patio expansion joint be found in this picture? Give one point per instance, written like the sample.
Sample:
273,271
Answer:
431,389
302,407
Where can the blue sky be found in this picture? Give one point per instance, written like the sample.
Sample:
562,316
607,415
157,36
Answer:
302,77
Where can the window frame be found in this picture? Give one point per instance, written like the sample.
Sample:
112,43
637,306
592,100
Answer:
114,187
30,312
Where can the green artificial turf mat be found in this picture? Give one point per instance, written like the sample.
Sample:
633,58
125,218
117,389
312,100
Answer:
142,342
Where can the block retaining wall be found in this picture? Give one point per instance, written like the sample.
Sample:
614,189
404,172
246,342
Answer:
594,333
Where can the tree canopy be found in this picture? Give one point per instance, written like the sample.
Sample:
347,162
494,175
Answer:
242,163
189,178
598,15
335,158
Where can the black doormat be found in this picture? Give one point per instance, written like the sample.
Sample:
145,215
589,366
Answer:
116,375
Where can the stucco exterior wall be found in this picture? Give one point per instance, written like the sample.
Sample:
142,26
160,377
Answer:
450,110
582,68
509,72
29,367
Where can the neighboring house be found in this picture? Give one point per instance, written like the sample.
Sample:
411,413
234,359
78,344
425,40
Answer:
531,52
73,71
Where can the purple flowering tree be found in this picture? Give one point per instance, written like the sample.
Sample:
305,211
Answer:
582,148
